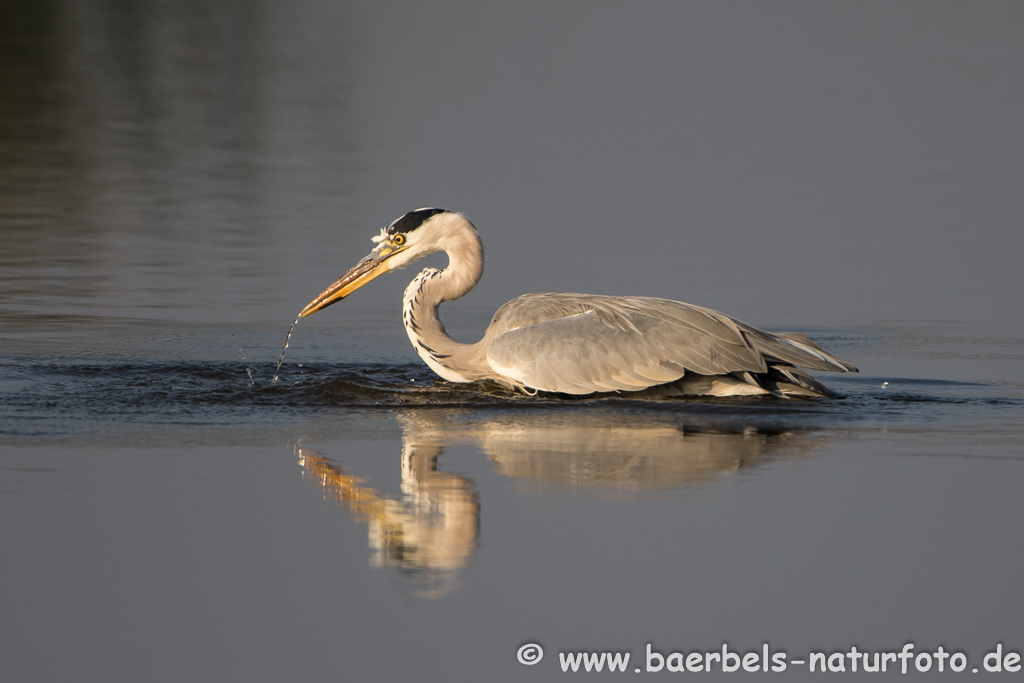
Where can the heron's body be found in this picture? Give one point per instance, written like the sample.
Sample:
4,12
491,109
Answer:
579,343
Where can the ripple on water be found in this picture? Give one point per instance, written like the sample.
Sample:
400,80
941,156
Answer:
61,396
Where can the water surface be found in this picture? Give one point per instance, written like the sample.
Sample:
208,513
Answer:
176,182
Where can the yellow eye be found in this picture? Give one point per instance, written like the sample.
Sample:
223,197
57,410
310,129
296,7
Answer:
398,239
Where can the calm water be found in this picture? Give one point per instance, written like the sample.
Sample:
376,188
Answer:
177,181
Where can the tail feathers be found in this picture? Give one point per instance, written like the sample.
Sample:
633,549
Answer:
796,349
785,381
798,378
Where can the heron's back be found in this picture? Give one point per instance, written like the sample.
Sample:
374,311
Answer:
582,343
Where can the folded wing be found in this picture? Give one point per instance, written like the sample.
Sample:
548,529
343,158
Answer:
581,344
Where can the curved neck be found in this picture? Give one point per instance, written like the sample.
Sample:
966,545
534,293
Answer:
421,302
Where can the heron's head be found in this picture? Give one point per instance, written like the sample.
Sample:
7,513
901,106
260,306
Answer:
411,237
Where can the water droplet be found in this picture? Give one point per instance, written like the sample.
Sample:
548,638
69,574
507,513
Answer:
287,338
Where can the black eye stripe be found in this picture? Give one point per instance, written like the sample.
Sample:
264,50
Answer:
412,220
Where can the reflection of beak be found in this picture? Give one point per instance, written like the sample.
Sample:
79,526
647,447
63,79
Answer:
370,267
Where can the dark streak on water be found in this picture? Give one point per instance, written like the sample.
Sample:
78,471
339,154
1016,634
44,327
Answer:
62,397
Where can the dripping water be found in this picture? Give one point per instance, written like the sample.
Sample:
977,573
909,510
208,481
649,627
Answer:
287,338
248,370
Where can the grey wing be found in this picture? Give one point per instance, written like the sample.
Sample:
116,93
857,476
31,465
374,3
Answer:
579,344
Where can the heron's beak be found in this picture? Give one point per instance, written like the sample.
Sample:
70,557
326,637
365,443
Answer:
374,264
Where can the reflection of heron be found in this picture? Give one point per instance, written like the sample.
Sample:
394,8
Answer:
432,530
433,527
577,343
619,456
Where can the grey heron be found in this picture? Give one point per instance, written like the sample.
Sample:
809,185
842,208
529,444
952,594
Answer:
577,343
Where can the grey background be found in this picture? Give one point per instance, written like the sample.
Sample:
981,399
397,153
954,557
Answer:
177,179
